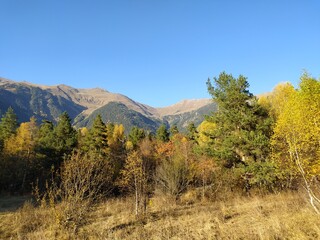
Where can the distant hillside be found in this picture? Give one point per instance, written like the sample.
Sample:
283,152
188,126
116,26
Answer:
184,106
115,112
196,116
28,101
83,105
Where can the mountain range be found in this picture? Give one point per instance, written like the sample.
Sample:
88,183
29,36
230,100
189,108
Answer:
83,105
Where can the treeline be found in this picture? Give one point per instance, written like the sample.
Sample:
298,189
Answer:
250,144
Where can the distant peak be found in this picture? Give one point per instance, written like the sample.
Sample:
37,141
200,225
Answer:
183,106
3,80
95,90
100,89
63,86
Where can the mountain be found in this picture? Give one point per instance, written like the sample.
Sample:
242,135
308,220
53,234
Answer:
117,112
83,105
196,116
29,100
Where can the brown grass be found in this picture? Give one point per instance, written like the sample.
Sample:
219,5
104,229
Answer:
281,216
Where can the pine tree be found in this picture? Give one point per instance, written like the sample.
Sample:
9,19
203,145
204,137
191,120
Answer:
242,126
192,131
98,141
8,126
174,130
162,133
136,135
65,136
46,136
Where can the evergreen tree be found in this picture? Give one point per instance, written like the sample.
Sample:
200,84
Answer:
46,137
174,130
8,126
243,127
65,136
98,141
136,135
192,131
162,133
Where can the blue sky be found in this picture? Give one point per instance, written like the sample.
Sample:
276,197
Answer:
162,51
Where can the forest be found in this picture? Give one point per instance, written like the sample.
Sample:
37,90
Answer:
262,151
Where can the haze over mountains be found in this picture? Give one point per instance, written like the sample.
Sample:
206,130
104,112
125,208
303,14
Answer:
83,105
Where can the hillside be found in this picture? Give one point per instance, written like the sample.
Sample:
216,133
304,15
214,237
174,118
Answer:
116,112
30,100
83,105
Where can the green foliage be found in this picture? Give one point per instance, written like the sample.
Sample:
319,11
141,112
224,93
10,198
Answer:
97,138
162,133
136,135
28,101
65,136
118,113
173,130
8,126
182,120
192,131
264,175
243,127
46,137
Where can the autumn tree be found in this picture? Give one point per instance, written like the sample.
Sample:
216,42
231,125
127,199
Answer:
275,101
175,170
24,142
82,182
134,178
295,142
117,147
21,147
204,171
138,173
205,132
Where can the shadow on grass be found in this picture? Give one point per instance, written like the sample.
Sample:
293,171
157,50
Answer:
12,203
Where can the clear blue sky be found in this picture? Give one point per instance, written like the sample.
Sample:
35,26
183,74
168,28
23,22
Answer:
158,52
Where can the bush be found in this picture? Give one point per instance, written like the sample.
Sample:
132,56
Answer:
83,179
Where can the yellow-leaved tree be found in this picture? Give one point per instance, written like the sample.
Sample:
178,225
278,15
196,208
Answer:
277,99
296,139
205,130
21,147
24,142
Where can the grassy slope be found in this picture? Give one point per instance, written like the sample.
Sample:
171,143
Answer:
282,216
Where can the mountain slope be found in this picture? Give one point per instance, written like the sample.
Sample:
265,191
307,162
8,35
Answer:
28,101
115,112
196,116
83,105
184,107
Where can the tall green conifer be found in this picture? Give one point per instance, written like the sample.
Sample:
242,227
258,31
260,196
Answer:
8,126
242,126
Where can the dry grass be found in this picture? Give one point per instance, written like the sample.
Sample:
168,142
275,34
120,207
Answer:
282,216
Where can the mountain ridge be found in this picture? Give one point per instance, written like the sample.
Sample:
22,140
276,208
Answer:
48,101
